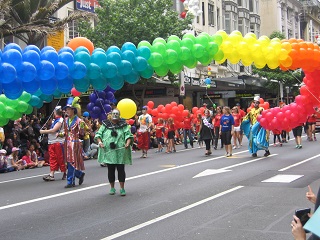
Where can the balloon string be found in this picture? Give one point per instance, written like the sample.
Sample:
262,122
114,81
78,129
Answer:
105,112
50,114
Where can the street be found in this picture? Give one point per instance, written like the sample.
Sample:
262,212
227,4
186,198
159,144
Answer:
182,195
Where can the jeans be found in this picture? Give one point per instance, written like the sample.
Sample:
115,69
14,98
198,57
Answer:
72,174
185,133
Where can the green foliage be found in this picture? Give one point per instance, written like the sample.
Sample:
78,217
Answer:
277,34
133,21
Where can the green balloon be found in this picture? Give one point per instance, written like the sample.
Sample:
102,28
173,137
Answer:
187,42
3,98
2,107
212,48
174,45
202,40
184,54
16,116
176,68
198,50
155,59
219,55
25,97
159,40
205,59
144,43
162,70
171,56
29,110
217,39
190,36
174,37
3,121
159,48
12,103
190,63
9,112
22,107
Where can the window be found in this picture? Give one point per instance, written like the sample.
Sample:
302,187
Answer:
240,3
227,22
251,5
203,15
210,14
218,18
241,68
240,26
73,28
234,22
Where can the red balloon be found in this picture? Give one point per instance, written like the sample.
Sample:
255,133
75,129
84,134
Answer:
149,110
75,92
267,105
181,107
150,104
194,110
154,112
261,101
175,110
280,116
131,121
168,107
160,107
269,116
185,113
173,104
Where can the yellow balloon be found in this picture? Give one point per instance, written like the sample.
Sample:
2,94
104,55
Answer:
127,108
223,34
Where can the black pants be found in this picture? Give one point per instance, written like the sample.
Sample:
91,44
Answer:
112,172
275,136
207,142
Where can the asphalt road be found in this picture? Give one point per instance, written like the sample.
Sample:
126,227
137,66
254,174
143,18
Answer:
183,195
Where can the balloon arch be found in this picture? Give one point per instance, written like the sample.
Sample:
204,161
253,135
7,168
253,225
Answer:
32,76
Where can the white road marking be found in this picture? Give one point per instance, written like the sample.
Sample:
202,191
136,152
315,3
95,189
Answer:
299,163
19,179
142,225
283,178
210,172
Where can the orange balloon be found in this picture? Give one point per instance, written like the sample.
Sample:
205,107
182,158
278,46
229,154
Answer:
81,42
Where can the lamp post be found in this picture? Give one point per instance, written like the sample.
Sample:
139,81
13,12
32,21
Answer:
287,90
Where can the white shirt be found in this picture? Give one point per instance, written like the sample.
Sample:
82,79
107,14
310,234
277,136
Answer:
144,121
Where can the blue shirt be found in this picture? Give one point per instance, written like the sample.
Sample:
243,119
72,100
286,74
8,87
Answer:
226,123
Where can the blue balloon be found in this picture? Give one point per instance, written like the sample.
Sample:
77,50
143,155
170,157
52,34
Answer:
31,87
32,57
48,87
99,58
99,102
93,97
32,47
65,83
125,67
12,46
13,57
83,57
57,93
133,77
98,50
116,82
147,73
129,46
101,94
144,52
38,93
78,71
107,108
90,106
81,49
28,72
103,117
113,49
114,57
109,70
66,49
34,101
67,58
94,71
207,81
46,70
81,85
40,105
13,95
99,84
8,73
133,129
140,64
61,71
110,95
129,56
96,110
50,56
46,48
46,98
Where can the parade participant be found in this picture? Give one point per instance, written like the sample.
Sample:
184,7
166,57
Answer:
73,127
87,131
297,132
114,139
311,126
144,121
226,130
187,130
242,114
55,145
216,125
236,134
206,131
251,128
159,134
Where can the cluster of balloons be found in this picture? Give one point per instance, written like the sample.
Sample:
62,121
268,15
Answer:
13,109
175,53
99,105
193,7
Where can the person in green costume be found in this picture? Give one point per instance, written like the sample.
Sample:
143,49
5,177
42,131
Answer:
114,139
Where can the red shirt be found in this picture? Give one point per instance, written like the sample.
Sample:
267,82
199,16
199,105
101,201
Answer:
159,130
27,159
217,120
237,119
312,118
171,127
187,123
276,132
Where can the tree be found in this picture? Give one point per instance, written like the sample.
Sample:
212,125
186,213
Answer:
29,20
288,78
133,21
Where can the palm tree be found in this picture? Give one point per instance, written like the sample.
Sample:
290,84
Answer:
29,20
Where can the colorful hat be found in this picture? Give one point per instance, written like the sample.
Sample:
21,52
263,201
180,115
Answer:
256,98
15,149
74,104
3,151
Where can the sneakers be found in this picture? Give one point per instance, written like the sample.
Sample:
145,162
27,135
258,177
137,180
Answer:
267,153
48,178
69,186
122,192
112,191
297,146
229,155
234,147
226,155
300,146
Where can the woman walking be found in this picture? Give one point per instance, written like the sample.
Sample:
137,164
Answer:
216,124
227,129
206,131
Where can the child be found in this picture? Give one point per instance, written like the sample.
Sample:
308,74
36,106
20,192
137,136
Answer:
171,135
14,161
276,133
27,162
159,134
3,161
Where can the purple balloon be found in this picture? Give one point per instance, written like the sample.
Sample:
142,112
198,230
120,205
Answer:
133,129
103,116
107,108
110,95
106,101
94,116
96,111
90,106
93,97
102,94
99,102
